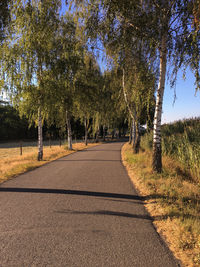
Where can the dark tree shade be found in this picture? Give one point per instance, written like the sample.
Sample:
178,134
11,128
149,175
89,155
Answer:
13,127
4,16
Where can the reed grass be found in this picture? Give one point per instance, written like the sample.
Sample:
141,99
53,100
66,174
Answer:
181,141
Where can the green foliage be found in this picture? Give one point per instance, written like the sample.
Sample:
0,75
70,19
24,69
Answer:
147,141
123,24
88,85
114,109
140,87
27,53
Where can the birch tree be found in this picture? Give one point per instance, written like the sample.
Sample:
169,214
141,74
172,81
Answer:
139,97
67,60
114,110
175,45
28,49
87,85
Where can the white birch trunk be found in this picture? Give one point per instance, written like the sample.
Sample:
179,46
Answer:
133,132
157,149
136,144
69,131
40,138
135,129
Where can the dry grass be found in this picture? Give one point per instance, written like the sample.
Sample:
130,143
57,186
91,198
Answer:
173,200
12,164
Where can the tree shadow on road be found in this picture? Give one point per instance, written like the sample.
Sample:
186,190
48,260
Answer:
110,196
109,213
144,216
70,192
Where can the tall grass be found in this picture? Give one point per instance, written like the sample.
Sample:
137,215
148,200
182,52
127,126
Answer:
181,140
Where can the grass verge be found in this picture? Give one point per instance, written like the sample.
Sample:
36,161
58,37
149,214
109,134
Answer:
12,164
172,199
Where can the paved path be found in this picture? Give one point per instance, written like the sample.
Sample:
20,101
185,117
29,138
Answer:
80,210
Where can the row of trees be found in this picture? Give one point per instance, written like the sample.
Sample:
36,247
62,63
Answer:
142,37
51,75
48,62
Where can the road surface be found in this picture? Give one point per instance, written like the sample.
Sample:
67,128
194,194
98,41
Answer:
80,210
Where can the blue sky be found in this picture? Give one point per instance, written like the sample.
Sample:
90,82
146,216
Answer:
187,105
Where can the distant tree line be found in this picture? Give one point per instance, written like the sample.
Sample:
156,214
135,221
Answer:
17,128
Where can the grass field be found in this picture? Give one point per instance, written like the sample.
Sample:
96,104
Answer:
172,199
12,163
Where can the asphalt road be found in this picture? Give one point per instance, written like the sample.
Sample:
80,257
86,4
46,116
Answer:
80,210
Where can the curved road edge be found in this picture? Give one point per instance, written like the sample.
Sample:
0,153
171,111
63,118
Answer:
142,191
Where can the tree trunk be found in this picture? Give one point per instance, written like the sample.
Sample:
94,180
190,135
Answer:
133,132
124,132
86,131
69,131
104,133
157,150
50,141
119,133
40,138
97,136
136,144
113,134
20,145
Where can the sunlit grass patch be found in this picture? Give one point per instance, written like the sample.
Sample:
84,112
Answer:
12,164
173,200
